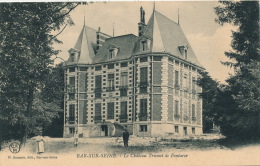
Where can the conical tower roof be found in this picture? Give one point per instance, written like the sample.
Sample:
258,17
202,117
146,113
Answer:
86,45
167,36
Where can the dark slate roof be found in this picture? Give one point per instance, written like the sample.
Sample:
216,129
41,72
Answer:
125,45
86,44
167,36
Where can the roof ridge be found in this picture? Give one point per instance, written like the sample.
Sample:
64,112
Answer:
121,36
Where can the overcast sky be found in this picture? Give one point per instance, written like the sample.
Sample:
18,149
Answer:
208,39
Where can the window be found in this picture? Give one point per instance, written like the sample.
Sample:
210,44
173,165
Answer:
193,130
143,59
170,59
143,128
177,79
176,129
112,53
98,86
123,113
124,83
72,69
72,130
111,86
193,112
72,57
72,81
184,50
98,68
83,69
185,82
110,66
143,109
193,85
110,110
72,113
124,64
124,79
98,112
143,80
157,58
144,45
185,131
72,96
176,108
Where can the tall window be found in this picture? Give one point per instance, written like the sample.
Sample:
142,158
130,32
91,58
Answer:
110,110
176,108
71,86
72,81
98,112
123,114
98,86
143,109
72,113
185,82
111,86
193,85
176,79
143,80
193,112
124,83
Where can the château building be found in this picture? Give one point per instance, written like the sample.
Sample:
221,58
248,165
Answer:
146,83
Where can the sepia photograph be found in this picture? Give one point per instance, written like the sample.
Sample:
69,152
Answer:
129,83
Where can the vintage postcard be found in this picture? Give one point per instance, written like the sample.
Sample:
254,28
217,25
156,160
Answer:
133,83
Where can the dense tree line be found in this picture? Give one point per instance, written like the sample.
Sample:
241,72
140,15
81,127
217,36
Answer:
29,97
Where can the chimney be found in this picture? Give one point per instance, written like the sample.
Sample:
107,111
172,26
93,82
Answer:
141,24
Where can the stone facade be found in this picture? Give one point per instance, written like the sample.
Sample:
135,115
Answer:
138,82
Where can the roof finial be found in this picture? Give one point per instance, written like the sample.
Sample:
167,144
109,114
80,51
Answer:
178,17
153,5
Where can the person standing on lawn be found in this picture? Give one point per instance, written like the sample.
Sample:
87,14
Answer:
76,139
125,137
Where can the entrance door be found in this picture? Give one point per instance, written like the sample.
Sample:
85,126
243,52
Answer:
104,130
185,130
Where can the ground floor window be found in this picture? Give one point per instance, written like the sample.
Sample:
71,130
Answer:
185,131
72,130
143,128
193,130
176,128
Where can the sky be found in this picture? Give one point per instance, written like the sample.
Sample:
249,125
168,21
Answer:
208,39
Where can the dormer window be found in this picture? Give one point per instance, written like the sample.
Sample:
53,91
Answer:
72,57
184,51
112,52
145,45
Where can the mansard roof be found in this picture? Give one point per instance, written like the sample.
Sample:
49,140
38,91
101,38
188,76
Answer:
125,45
167,36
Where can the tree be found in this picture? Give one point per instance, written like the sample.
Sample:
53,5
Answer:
26,35
54,92
210,90
239,111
